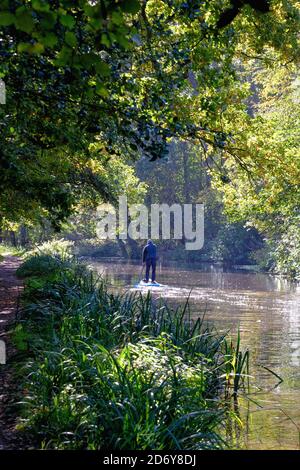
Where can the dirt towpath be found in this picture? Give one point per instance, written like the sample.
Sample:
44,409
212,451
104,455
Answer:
10,289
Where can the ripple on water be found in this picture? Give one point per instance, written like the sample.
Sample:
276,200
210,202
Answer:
266,309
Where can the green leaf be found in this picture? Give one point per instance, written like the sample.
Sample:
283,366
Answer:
49,40
130,6
48,19
87,60
102,68
6,18
70,39
40,5
117,17
122,40
36,48
92,11
92,60
101,90
96,23
105,40
63,56
24,20
67,21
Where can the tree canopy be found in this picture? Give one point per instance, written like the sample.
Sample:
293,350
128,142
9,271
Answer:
267,196
127,76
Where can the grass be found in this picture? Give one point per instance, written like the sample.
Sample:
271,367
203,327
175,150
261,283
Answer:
10,250
103,370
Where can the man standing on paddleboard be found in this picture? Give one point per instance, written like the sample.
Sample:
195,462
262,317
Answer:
149,257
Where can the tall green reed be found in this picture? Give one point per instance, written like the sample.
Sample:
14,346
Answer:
120,371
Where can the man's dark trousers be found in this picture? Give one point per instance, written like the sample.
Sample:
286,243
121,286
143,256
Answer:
151,262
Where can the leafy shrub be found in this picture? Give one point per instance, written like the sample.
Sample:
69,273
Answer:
281,254
39,265
56,248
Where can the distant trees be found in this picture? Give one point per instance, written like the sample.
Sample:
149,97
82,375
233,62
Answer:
185,178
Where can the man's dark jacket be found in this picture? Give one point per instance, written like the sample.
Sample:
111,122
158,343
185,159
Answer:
149,252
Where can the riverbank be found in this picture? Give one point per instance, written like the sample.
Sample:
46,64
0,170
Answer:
118,371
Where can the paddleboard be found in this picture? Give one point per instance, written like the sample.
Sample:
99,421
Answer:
149,284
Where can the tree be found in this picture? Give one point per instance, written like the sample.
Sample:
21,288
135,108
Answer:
268,197
55,100
132,74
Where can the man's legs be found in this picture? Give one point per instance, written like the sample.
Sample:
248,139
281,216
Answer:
153,264
148,264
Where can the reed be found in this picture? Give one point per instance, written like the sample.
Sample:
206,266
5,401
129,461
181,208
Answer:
119,371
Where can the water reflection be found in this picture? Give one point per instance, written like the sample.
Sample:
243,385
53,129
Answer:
267,311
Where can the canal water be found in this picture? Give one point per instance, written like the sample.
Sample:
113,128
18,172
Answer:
266,310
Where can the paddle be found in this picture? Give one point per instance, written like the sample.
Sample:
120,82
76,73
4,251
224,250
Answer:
143,265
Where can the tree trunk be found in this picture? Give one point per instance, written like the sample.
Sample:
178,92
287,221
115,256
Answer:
134,248
186,176
122,247
23,235
13,239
